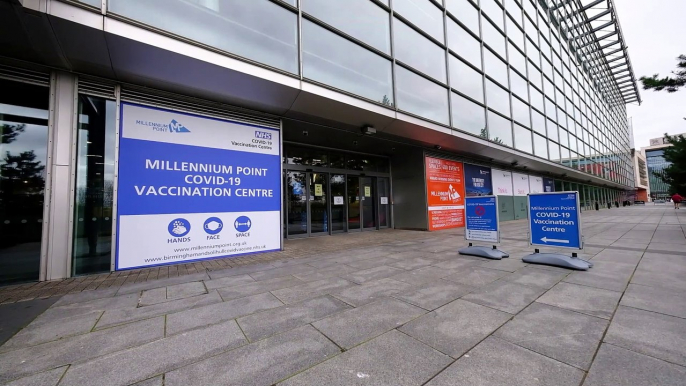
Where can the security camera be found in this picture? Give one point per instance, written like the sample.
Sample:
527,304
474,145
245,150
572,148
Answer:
306,133
354,143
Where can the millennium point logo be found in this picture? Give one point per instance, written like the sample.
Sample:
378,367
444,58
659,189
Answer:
173,127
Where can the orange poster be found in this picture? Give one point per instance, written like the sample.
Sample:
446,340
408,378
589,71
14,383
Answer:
445,191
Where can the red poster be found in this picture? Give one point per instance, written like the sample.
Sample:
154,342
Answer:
445,192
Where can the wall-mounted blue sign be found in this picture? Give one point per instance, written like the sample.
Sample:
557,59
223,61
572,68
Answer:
548,185
481,219
554,219
477,180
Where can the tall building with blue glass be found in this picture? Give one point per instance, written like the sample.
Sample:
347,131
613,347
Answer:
352,96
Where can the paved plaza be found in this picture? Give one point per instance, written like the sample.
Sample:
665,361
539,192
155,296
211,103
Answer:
374,308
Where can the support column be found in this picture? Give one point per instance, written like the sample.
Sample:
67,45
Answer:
57,261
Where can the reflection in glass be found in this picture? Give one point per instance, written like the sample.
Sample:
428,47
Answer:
258,29
23,159
333,60
517,59
499,129
96,138
420,96
466,80
338,203
94,3
361,19
552,131
422,14
353,202
495,68
493,11
535,77
537,122
307,156
468,116
419,52
464,44
319,198
465,12
493,37
540,146
536,98
520,112
369,199
554,151
497,98
384,209
522,139
518,85
296,202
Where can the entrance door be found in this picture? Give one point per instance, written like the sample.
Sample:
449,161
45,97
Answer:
338,203
368,200
384,203
354,196
319,203
296,201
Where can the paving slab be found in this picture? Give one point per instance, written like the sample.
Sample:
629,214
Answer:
505,296
324,273
312,289
16,316
360,277
220,312
243,270
280,319
619,256
157,357
434,295
281,272
495,362
413,263
229,281
44,331
535,277
455,328
371,291
355,326
661,271
240,291
563,335
56,313
616,366
390,359
120,316
86,296
457,263
660,300
153,296
605,275
261,363
424,275
47,378
22,362
476,276
510,264
587,300
146,285
366,263
649,333
155,381
185,290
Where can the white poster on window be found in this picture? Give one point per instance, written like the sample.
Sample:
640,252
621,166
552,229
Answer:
520,184
384,200
338,200
502,182
535,184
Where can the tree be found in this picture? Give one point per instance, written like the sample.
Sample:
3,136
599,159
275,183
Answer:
668,83
9,133
484,134
386,101
675,174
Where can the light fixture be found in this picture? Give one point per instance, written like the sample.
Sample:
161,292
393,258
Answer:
368,130
438,147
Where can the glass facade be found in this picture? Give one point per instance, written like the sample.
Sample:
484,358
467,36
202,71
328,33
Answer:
656,162
452,62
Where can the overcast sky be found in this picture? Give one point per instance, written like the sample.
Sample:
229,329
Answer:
655,32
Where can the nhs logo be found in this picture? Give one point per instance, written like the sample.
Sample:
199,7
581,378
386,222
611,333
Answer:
176,127
263,135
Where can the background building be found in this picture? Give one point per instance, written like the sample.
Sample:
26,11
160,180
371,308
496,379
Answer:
360,97
641,176
657,163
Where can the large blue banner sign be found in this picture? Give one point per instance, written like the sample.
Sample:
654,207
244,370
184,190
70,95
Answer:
477,180
193,188
554,219
481,219
548,185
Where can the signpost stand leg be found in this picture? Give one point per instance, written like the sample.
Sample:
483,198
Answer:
489,253
557,260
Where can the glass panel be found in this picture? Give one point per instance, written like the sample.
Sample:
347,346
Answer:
258,29
96,138
493,37
464,44
423,14
518,85
307,156
520,112
540,146
535,77
361,19
523,139
369,197
468,116
554,151
419,52
493,11
420,96
296,201
384,203
495,68
338,203
95,3
353,202
333,60
517,59
464,11
499,129
23,159
466,80
515,34
319,199
497,98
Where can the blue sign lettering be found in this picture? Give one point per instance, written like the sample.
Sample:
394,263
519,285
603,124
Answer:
554,219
